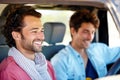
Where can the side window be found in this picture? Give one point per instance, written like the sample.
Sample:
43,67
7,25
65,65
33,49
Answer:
114,35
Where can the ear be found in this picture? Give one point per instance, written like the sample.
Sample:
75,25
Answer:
16,35
72,30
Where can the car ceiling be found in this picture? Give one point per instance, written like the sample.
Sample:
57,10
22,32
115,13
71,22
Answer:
59,4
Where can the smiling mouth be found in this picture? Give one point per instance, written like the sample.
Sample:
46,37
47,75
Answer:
38,42
87,42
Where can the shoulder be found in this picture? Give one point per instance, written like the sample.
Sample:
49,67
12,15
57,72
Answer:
98,49
7,63
10,70
63,58
7,68
98,45
64,52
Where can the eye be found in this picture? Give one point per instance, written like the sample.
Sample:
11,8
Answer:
42,30
34,31
85,31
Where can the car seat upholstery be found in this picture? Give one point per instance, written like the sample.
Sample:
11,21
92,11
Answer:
54,33
3,46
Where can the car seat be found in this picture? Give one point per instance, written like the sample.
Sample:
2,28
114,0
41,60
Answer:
54,33
3,46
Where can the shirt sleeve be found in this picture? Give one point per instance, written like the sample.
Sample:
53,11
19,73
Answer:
108,54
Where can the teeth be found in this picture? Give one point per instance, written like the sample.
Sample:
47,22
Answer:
38,42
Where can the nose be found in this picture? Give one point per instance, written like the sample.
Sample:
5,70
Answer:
40,35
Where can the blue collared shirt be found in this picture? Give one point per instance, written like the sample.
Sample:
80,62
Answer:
69,65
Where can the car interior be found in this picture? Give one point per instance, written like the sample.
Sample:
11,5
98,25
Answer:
54,33
55,30
3,46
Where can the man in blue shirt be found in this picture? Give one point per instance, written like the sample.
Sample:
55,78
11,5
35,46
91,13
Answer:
81,59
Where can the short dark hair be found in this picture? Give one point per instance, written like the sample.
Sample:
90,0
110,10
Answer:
84,15
14,22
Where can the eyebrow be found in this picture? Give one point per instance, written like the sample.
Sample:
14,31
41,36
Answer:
36,28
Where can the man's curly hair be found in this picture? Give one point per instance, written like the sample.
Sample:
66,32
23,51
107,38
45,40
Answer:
14,22
84,15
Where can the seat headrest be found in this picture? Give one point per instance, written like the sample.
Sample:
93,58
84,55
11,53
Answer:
54,32
2,38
